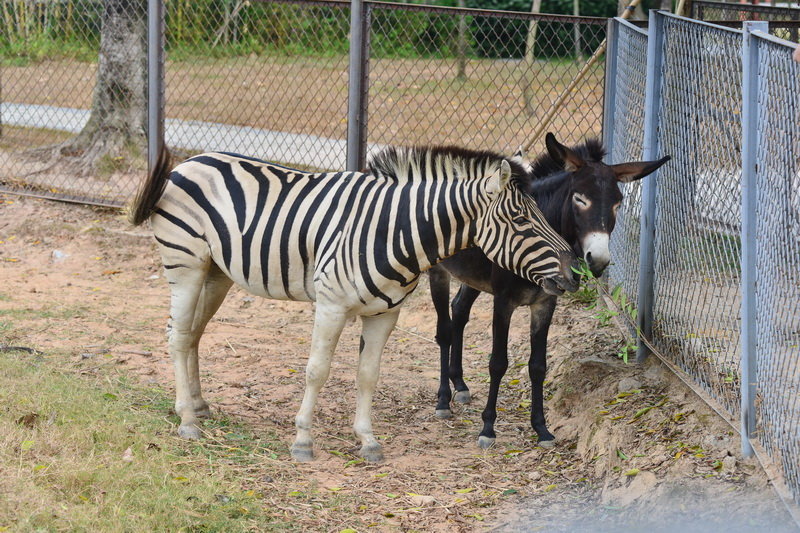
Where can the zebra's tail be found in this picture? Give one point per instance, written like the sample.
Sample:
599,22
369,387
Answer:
145,200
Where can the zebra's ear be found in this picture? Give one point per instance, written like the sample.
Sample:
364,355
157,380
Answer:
520,154
499,181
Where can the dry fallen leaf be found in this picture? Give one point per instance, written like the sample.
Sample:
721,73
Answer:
127,455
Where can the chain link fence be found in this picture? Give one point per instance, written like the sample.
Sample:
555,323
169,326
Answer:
623,134
270,79
698,313
784,21
777,282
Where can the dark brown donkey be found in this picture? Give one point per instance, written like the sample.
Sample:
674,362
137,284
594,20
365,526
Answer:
579,196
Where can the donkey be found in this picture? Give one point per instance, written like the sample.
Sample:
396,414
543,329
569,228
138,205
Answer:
579,195
355,243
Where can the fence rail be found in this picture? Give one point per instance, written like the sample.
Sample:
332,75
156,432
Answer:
270,79
725,287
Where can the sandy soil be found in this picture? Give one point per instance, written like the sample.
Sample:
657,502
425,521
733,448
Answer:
636,448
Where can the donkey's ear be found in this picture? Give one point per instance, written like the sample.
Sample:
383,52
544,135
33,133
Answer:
628,172
563,155
499,181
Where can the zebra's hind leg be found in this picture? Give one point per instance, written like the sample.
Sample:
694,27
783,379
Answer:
186,284
328,324
215,288
375,331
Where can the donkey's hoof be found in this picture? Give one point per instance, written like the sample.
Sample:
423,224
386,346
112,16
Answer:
444,414
302,453
485,442
462,396
203,411
371,453
189,432
548,443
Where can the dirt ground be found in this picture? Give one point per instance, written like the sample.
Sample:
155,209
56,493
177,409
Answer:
636,449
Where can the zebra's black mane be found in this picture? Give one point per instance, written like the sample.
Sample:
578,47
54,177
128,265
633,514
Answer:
397,162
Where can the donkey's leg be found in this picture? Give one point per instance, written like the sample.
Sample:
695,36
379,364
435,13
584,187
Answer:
213,294
328,324
462,305
375,330
186,284
498,364
440,294
541,317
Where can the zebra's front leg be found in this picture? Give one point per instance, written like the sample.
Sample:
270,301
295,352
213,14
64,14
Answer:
328,324
374,333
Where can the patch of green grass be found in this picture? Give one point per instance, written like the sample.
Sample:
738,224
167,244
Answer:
92,454
58,313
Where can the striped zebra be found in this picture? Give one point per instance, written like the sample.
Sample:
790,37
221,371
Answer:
355,243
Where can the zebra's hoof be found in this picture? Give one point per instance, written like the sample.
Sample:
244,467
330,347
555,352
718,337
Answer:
371,453
462,397
547,443
485,442
302,454
444,414
189,432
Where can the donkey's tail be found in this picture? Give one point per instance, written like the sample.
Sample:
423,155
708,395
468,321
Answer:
145,200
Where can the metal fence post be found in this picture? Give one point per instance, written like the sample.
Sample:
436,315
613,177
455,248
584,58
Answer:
610,97
748,260
155,81
650,145
356,94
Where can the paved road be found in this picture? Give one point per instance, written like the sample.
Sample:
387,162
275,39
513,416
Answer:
288,148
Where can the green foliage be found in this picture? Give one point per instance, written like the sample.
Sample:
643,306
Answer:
33,31
588,294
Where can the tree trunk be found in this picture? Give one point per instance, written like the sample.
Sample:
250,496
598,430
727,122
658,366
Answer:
461,45
116,131
576,10
528,93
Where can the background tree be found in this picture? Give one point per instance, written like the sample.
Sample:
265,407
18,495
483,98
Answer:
115,135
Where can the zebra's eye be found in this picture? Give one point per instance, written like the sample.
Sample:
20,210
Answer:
581,201
520,220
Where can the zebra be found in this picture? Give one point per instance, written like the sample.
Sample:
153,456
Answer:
355,243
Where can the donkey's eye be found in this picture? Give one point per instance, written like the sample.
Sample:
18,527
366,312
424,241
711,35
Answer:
581,201
616,206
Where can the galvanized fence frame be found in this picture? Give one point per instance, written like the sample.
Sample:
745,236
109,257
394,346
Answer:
192,117
761,171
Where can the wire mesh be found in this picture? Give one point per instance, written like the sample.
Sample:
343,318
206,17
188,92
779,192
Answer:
628,137
697,271
480,79
48,68
778,247
784,21
268,79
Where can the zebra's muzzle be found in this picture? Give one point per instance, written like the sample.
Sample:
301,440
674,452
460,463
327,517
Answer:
566,281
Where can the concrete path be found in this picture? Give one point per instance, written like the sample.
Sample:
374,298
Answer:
288,148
